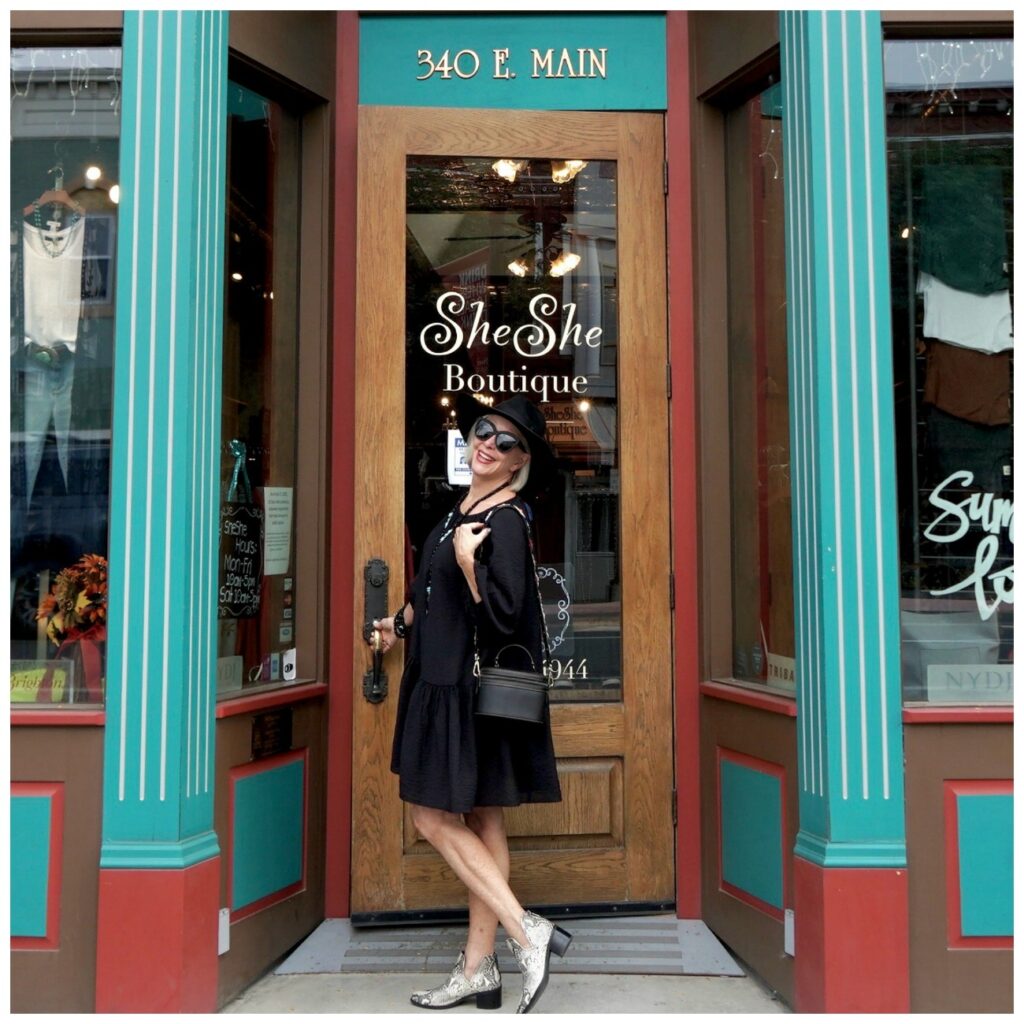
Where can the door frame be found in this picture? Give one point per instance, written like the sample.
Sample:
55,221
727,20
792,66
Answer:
643,415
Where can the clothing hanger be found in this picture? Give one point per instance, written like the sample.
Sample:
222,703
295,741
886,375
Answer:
57,194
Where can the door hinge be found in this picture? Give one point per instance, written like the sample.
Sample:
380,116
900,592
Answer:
664,175
675,808
672,590
668,380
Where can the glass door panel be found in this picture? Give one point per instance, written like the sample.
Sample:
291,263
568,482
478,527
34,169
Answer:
512,288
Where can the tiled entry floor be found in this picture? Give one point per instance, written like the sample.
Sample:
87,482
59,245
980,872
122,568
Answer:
614,945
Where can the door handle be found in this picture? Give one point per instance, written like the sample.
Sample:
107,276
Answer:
375,606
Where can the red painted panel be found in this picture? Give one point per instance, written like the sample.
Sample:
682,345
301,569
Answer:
257,768
683,417
951,789
58,717
276,698
974,714
342,471
752,698
852,939
54,791
157,940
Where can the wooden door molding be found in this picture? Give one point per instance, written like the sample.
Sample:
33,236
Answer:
622,751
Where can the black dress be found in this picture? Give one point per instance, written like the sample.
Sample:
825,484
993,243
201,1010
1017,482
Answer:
445,755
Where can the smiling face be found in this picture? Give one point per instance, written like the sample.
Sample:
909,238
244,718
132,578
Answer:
487,462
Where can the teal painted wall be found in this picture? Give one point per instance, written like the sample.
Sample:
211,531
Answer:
158,765
267,833
752,832
634,67
30,864
985,837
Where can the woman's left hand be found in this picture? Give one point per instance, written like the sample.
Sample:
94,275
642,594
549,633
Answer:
468,537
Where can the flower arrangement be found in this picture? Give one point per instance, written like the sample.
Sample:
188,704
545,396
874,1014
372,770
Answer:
76,606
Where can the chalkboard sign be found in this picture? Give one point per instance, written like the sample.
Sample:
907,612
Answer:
241,560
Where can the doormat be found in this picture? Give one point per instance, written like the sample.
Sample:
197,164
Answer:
611,945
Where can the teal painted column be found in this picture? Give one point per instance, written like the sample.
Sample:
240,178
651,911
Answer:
844,477
159,747
849,870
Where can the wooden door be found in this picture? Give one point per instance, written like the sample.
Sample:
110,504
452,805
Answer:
438,232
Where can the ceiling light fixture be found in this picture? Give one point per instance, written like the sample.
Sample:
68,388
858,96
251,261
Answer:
563,171
518,267
115,194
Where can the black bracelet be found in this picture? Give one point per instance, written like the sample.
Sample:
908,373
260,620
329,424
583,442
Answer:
399,623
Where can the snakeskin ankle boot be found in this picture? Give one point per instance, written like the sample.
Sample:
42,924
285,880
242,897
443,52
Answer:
485,985
545,939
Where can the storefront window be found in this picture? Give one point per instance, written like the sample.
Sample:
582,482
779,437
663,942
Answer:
65,118
512,288
762,553
949,106
258,588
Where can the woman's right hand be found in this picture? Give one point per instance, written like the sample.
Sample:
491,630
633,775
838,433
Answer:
387,632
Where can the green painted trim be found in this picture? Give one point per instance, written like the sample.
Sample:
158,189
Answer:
985,840
268,834
751,817
31,824
159,745
634,61
829,854
846,559
140,856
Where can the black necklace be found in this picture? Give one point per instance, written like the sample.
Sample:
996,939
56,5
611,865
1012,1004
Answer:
453,520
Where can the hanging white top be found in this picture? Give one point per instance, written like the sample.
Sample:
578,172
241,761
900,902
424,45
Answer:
981,322
53,283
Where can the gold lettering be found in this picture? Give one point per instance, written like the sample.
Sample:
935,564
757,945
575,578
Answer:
565,61
542,63
599,66
500,56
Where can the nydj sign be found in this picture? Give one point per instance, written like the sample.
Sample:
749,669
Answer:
526,61
531,340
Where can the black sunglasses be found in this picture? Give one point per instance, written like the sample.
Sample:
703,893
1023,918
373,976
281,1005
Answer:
503,440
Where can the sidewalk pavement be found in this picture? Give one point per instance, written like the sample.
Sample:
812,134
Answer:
566,993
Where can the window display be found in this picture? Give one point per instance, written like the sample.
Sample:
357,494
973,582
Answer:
950,152
65,117
257,586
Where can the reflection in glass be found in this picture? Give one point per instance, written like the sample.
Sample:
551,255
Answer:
65,122
762,553
512,288
257,587
949,106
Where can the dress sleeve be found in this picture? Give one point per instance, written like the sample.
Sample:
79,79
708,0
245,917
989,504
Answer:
503,573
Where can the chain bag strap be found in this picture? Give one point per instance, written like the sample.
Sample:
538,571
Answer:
511,693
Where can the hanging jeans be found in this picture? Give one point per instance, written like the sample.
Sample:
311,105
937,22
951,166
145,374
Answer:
47,397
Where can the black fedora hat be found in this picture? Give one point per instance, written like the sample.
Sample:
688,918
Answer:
529,420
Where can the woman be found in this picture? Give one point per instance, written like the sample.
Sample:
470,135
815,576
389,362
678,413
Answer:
476,590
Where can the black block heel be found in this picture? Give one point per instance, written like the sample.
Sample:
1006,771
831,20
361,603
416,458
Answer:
489,1000
560,940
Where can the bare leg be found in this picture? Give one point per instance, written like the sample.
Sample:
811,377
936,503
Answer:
488,824
474,864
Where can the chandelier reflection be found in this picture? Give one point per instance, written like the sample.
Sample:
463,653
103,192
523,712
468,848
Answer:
563,171
563,263
508,169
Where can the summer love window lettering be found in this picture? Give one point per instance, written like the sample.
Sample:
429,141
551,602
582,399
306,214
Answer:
950,155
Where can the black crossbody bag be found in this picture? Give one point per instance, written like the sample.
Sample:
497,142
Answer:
515,693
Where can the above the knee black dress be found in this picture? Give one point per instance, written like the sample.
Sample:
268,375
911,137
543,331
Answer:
446,756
